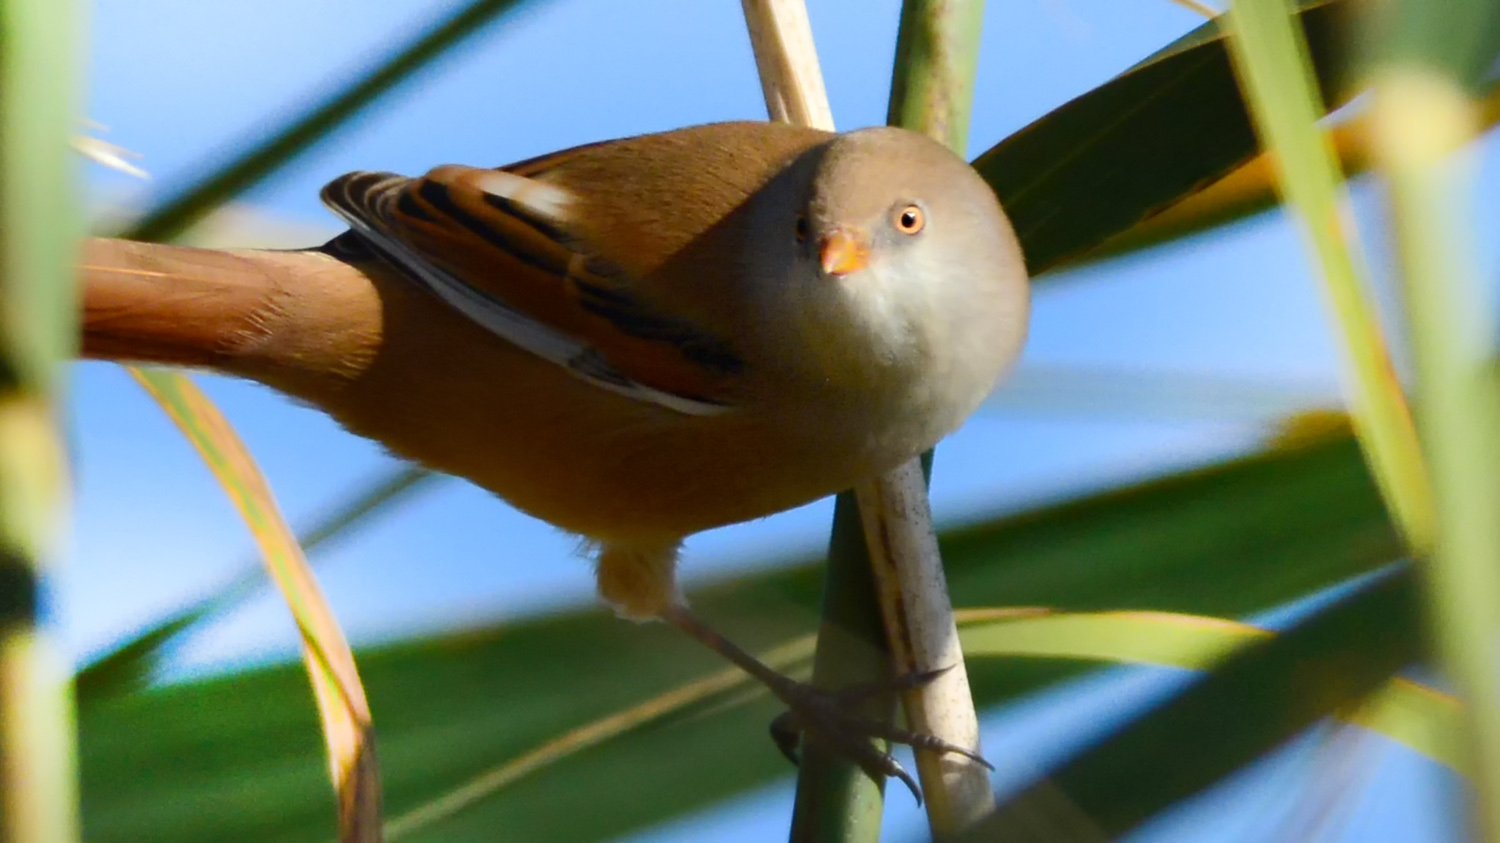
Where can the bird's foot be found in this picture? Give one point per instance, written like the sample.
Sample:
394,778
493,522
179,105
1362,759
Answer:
833,718
830,717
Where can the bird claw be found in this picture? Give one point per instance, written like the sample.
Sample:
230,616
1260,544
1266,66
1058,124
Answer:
830,718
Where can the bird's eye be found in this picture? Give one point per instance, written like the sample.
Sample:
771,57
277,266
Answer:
910,219
801,229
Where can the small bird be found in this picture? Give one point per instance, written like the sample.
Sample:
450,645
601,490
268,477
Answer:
634,340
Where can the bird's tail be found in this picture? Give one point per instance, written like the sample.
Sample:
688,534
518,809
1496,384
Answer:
251,313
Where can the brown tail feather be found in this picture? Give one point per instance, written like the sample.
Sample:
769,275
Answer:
243,312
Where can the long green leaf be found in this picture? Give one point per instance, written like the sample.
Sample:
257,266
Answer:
1424,719
1250,190
1160,131
238,757
1421,717
1455,39
1255,700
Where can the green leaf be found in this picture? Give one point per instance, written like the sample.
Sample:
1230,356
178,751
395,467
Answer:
1160,131
1457,39
238,757
1256,699
1136,637
1424,719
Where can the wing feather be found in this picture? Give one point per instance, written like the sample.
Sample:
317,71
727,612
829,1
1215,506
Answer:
496,245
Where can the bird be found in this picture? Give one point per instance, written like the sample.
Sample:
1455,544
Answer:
634,340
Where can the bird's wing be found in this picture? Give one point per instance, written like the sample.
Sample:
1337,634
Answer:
497,245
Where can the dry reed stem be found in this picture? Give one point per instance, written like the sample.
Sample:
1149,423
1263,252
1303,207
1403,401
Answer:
788,63
894,508
924,637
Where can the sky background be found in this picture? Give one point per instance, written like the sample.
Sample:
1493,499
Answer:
184,83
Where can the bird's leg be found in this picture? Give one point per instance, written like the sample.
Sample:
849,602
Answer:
638,579
825,716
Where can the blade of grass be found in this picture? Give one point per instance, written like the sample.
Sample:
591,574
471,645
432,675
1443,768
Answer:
130,663
1257,698
1418,716
1276,75
342,707
263,158
1165,149
1422,718
38,236
1425,119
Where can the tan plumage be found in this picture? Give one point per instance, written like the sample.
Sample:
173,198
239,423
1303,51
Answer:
634,340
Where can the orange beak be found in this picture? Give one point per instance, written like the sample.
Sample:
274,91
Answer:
843,253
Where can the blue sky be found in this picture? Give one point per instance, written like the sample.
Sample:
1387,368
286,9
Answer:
183,82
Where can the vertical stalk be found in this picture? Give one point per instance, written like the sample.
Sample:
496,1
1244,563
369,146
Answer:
1445,493
836,800
787,60
937,54
932,81
38,789
1276,74
1423,121
932,91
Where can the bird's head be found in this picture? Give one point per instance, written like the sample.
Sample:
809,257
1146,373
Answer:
904,267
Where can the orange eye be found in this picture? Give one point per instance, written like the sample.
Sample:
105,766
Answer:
909,220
